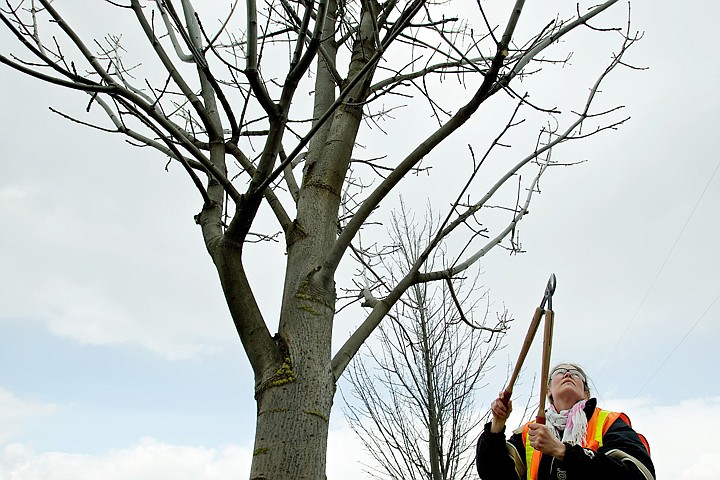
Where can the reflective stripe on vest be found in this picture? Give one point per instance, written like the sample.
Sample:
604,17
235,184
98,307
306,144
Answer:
597,426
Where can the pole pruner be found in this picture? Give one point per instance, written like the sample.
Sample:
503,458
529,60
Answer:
547,345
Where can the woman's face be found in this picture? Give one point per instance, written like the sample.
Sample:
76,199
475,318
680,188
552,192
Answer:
567,386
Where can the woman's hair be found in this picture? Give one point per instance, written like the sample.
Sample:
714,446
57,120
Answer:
574,366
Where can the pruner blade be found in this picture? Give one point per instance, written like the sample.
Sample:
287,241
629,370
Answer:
549,290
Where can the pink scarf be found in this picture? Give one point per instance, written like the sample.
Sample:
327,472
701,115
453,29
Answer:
572,423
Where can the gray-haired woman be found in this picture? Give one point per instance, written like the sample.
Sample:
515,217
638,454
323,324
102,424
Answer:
579,441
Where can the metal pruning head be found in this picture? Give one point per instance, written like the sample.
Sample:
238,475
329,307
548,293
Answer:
549,290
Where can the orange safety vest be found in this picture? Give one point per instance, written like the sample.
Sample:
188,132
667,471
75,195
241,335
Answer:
597,426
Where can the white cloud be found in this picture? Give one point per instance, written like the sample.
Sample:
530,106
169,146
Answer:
13,411
152,459
148,460
90,314
677,434
346,455
13,193
98,281
105,270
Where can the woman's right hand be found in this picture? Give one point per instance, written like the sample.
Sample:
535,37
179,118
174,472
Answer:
500,413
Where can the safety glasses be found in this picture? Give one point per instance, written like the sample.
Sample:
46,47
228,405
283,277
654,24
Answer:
560,372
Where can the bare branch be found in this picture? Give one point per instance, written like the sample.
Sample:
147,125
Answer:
463,114
550,39
501,327
169,26
177,78
251,68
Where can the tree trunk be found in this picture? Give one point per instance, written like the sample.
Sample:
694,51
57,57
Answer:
294,403
433,427
292,418
294,384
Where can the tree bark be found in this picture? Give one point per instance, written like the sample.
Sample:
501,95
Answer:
294,404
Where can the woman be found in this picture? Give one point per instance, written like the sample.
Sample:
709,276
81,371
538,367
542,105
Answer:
578,442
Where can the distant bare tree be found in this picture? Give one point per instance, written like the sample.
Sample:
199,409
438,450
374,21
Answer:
265,107
413,396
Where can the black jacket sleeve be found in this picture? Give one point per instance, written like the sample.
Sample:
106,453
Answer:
619,458
493,459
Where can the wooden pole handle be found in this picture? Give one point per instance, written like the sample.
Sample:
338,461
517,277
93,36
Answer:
532,330
547,347
505,397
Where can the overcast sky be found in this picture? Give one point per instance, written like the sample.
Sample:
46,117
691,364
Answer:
119,360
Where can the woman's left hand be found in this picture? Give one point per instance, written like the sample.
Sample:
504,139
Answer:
542,440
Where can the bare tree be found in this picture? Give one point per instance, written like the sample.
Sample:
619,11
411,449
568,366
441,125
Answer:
412,400
226,101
